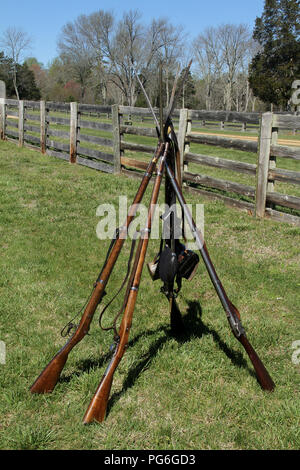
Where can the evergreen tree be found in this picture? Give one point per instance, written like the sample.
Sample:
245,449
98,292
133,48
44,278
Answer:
5,73
27,87
277,64
188,95
26,83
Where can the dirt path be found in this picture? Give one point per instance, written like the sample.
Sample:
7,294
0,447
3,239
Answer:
292,142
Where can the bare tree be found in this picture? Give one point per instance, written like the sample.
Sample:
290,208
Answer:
116,49
126,50
15,43
223,54
97,29
76,53
170,48
208,56
234,41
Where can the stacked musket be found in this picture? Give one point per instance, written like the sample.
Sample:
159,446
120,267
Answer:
172,263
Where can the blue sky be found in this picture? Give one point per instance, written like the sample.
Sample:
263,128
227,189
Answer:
44,20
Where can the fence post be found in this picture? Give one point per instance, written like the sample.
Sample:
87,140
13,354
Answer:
272,162
264,145
182,131
2,118
116,137
21,123
2,89
73,131
43,130
2,109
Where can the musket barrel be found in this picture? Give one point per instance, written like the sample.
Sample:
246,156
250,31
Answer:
48,378
96,410
231,311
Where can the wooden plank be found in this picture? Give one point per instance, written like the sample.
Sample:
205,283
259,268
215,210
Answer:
246,145
96,125
32,117
94,108
59,120
31,138
61,155
29,127
137,111
137,147
58,145
228,201
12,115
55,106
285,176
134,163
12,123
138,131
11,133
32,104
285,200
285,152
282,217
132,174
226,116
144,111
10,102
95,165
286,121
108,157
223,185
56,133
96,140
217,162
263,163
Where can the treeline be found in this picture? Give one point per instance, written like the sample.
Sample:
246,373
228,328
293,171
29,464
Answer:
98,58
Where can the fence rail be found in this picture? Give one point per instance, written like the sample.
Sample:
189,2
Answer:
97,137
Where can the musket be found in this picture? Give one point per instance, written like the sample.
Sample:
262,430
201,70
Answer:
96,410
231,311
49,377
173,160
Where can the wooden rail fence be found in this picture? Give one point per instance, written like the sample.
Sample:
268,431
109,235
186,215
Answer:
266,149
83,134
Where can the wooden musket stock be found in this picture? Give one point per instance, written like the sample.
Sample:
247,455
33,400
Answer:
97,408
48,378
231,311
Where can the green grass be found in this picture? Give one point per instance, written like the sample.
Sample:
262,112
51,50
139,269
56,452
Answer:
197,392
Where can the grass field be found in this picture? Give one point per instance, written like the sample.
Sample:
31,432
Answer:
195,392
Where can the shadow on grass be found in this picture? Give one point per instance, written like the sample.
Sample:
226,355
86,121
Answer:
193,328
